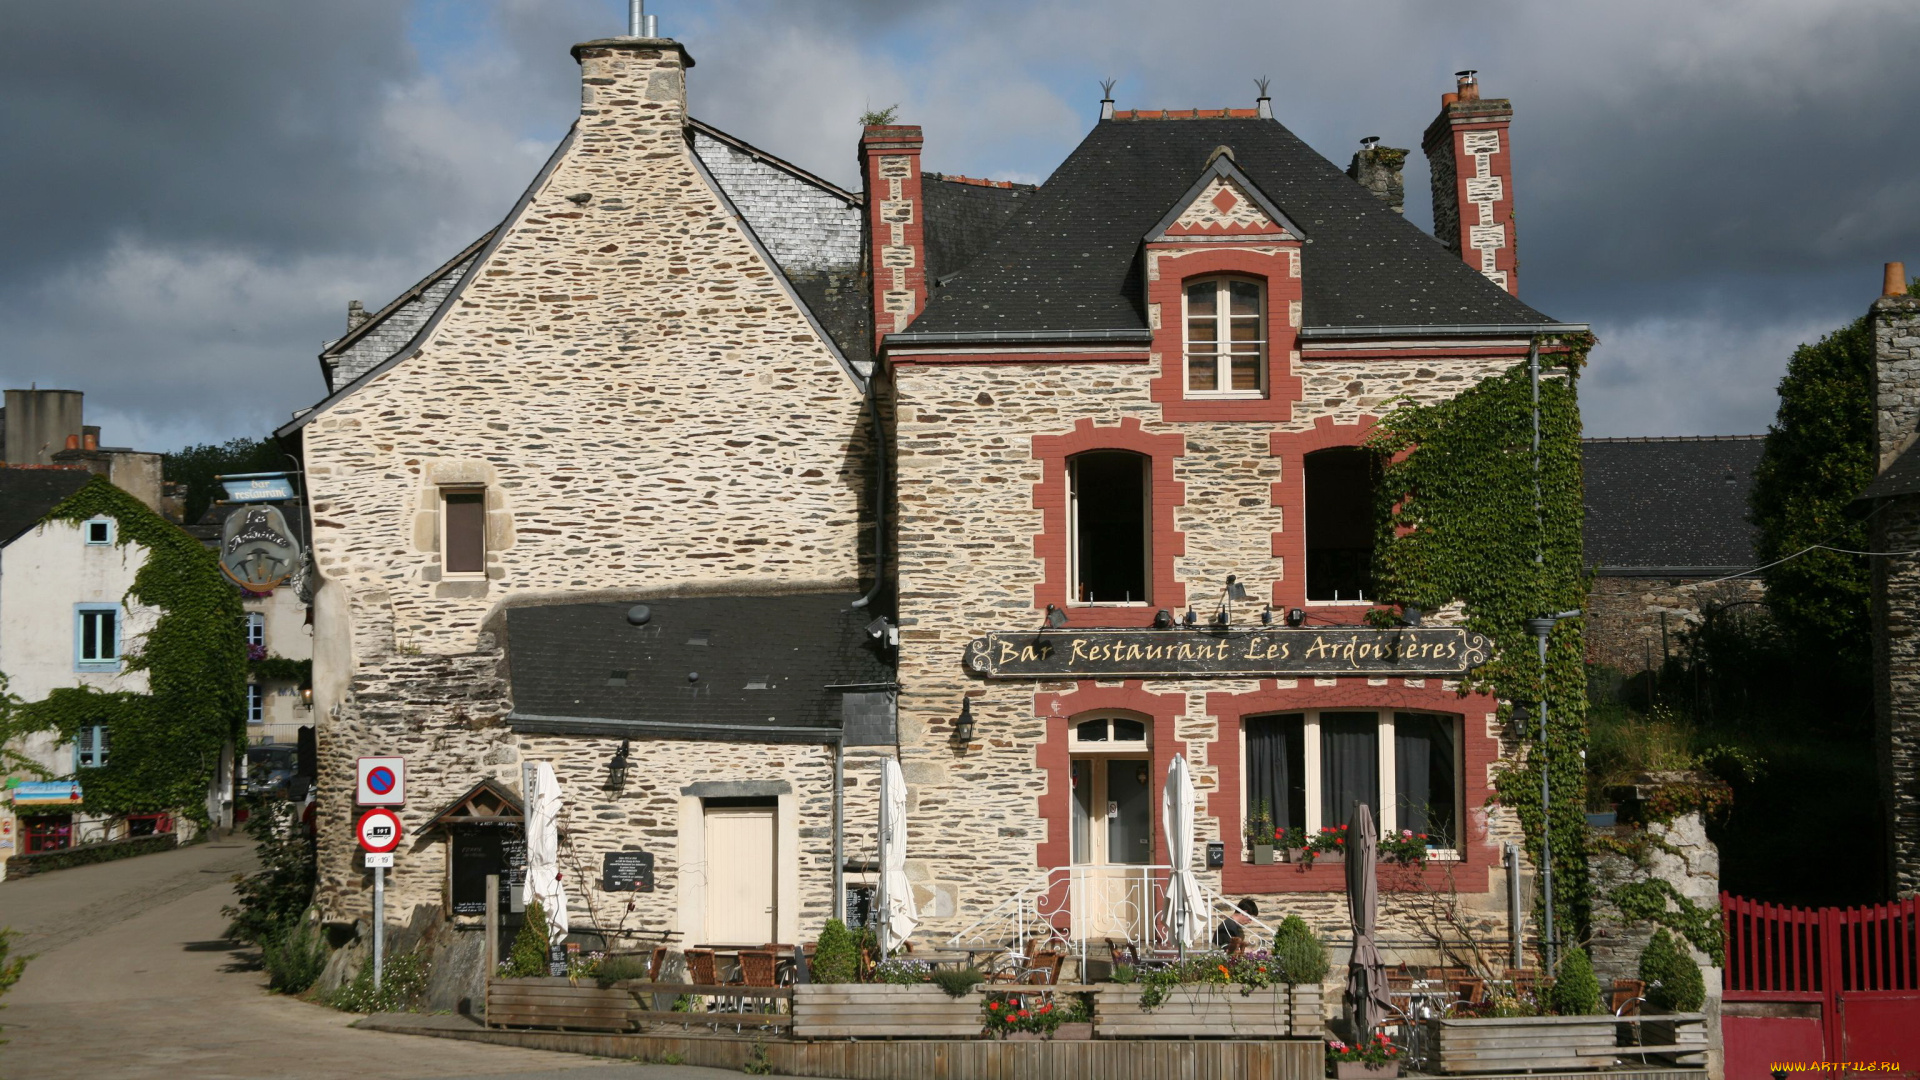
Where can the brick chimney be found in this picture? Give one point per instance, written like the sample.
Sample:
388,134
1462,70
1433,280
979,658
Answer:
633,92
1471,157
896,226
1896,366
1377,168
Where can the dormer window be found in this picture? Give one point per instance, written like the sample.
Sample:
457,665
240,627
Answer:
1226,337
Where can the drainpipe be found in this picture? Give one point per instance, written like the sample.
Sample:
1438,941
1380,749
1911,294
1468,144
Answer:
879,498
1513,905
839,831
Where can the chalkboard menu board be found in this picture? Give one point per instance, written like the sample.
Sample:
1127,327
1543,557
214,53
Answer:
627,871
859,906
482,850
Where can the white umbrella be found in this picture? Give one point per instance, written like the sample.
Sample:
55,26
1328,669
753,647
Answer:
1186,915
901,913
543,851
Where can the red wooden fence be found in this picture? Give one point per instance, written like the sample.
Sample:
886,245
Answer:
1861,965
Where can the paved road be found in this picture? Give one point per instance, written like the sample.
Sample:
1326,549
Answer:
131,981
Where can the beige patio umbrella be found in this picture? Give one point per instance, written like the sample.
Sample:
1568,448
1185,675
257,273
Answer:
1367,1001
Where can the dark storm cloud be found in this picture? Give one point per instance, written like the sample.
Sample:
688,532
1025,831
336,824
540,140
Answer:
194,189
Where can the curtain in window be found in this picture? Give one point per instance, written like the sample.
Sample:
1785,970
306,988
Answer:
1423,775
1349,765
1276,769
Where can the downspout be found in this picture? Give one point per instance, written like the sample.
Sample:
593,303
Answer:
839,830
879,497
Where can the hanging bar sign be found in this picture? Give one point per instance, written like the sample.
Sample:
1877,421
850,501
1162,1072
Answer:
1263,653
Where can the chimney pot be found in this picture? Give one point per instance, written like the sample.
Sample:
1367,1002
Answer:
1448,98
1467,85
73,442
90,441
1895,282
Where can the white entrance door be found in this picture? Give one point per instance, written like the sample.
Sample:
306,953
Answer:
740,875
1112,845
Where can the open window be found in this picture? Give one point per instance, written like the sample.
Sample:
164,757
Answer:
1110,522
1226,336
1340,487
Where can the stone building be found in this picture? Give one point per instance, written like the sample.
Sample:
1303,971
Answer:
615,502
1666,525
1894,526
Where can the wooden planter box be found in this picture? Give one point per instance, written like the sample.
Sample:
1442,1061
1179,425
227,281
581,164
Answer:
1663,1031
1521,1043
884,1011
1203,1011
1360,1070
557,1003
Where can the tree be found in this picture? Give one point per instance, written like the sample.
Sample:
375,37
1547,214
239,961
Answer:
197,465
1817,459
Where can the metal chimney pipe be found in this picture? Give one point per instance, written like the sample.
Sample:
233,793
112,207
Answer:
653,26
636,18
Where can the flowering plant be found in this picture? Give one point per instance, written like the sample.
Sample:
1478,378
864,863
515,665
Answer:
1006,1013
1328,841
1406,847
1377,1051
901,971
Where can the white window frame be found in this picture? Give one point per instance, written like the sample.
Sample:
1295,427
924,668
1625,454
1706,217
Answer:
1387,814
1073,530
256,628
446,573
1098,753
256,703
1223,329
112,531
82,662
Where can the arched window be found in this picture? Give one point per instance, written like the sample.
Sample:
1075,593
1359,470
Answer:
1340,524
1226,339
1111,772
1111,523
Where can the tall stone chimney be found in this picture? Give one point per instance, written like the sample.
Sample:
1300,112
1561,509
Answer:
896,225
633,95
1471,157
1896,366
1377,168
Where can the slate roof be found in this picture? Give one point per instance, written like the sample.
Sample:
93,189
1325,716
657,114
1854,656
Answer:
1655,506
1900,478
963,216
763,662
27,494
1071,260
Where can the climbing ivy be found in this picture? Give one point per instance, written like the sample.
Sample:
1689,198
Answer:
1657,901
165,743
1459,524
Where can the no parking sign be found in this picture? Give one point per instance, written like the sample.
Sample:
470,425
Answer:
383,782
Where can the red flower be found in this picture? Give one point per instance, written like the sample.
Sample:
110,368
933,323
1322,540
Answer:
1023,1014
1044,1009
994,1005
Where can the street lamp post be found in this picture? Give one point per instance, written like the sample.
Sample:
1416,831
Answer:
1542,627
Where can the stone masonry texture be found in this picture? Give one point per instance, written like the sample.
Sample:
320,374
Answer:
1896,590
649,412
1634,623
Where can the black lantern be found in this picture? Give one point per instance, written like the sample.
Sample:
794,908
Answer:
617,768
1056,618
963,724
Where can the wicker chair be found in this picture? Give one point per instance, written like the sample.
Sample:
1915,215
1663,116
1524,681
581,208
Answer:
1042,968
701,968
658,962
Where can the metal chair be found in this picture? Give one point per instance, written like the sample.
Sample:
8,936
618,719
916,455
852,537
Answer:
1626,997
1042,969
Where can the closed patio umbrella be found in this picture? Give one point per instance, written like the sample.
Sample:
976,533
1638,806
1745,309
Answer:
1186,910
543,851
1367,1001
901,913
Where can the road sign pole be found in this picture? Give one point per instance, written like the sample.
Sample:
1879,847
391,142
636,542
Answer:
379,921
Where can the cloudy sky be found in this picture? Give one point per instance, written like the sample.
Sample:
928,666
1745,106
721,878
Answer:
195,189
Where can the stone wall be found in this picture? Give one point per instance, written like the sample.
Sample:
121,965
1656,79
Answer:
650,412
1896,590
1634,623
396,329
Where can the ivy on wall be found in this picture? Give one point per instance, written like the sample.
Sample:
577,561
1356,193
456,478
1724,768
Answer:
165,743
1459,524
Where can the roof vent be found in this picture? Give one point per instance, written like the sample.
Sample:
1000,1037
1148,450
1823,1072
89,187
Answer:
1263,104
1106,98
1467,85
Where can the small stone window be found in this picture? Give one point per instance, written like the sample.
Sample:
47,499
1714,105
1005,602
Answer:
1110,539
98,531
1340,512
255,625
256,703
90,746
1226,337
463,532
96,637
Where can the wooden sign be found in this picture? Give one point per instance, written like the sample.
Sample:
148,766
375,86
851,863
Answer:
627,871
1263,653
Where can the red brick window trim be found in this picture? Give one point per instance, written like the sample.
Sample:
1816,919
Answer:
1477,750
1225,327
1290,495
1276,267
1054,544
1062,713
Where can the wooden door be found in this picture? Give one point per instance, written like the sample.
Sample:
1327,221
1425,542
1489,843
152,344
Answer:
740,874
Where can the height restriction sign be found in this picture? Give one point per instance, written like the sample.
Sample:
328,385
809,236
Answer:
378,830
383,782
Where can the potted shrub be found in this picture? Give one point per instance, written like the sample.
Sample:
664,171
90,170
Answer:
1260,833
1675,987
1013,1017
1291,843
1374,1059
1408,848
1076,1021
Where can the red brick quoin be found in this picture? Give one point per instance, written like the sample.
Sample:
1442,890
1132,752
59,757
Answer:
1479,751
1050,498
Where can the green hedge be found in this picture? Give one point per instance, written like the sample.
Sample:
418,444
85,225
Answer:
106,851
